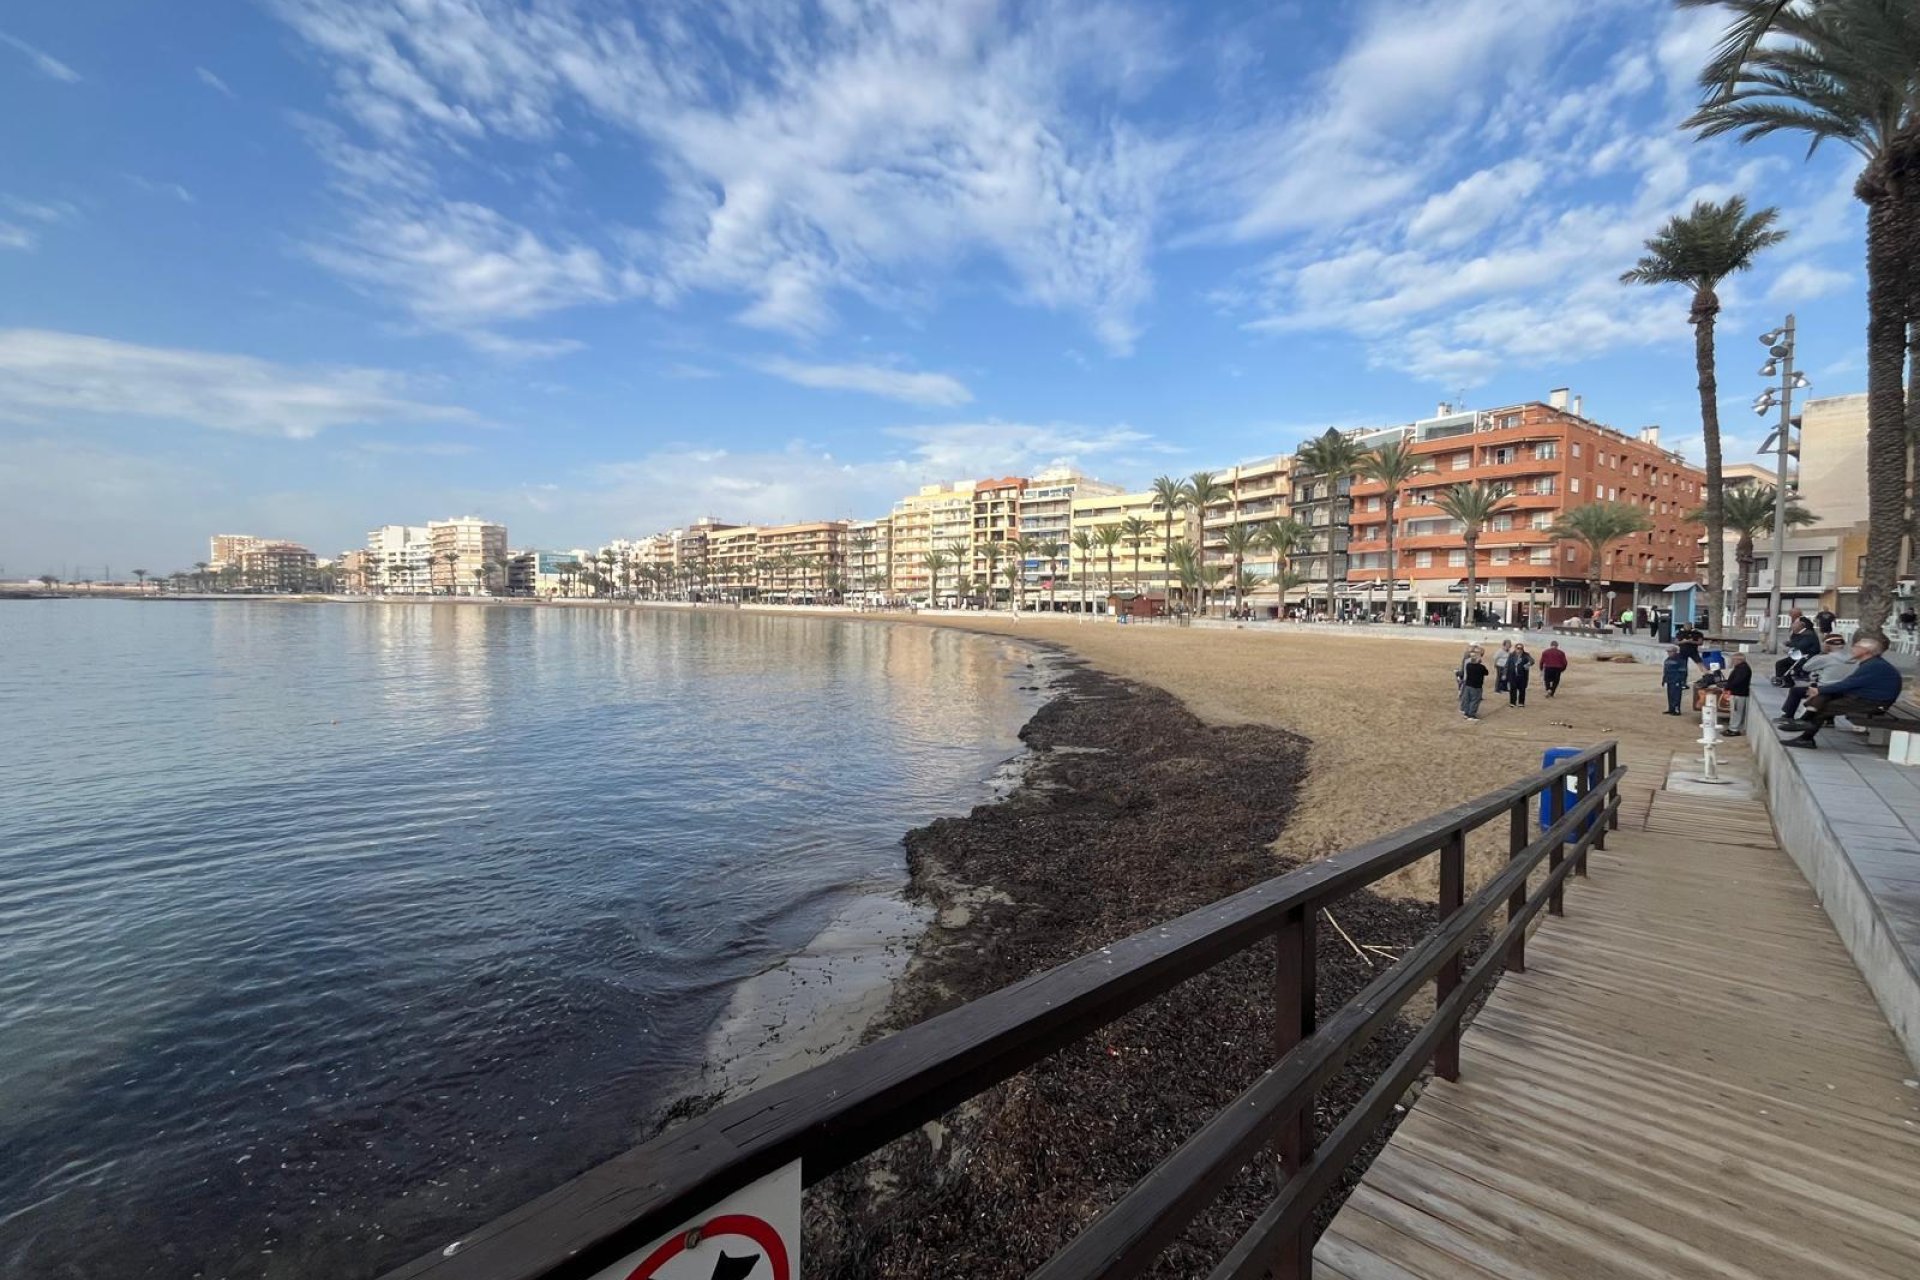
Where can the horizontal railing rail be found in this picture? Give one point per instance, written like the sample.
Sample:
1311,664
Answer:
836,1113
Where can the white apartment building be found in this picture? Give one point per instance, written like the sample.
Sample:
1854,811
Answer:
934,519
397,560
1046,515
468,556
870,560
1257,493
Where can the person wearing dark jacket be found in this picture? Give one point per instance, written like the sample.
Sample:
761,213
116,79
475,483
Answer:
1519,671
1802,643
1473,684
1873,686
1689,638
1553,665
1673,674
1739,688
1823,621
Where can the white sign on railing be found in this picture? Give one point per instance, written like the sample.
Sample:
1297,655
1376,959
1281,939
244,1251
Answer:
754,1234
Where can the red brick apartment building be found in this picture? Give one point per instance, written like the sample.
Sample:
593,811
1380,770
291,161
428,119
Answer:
1551,459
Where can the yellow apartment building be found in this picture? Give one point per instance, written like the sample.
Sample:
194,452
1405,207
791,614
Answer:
1136,566
468,556
1257,493
804,563
733,555
934,519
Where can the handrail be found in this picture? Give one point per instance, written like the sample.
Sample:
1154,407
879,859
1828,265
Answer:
850,1106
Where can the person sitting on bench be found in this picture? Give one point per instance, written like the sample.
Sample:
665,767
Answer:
1834,663
1873,686
1802,643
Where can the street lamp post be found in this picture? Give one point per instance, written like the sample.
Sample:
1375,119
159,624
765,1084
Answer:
1779,345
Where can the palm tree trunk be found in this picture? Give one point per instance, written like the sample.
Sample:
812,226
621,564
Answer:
1890,228
1742,565
1473,581
1705,304
1391,571
1330,527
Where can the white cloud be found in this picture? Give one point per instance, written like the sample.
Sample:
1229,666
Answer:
459,267
173,189
50,376
1452,217
871,144
895,384
213,82
18,235
679,482
13,236
46,63
1803,281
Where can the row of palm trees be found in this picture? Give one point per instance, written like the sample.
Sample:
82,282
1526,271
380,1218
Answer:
1845,72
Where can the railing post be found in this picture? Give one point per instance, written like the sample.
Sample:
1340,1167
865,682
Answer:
1294,972
1453,892
1613,764
1558,853
1516,845
1583,789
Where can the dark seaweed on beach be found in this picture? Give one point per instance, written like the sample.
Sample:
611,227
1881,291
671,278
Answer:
1132,812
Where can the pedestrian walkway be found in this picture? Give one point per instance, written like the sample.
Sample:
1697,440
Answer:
1690,1079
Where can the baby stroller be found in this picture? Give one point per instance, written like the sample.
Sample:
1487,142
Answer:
1790,670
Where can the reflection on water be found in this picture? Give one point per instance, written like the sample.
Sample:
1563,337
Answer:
326,931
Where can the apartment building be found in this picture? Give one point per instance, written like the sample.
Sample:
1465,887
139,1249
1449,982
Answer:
539,573
1323,505
733,556
804,563
870,560
1550,458
468,556
1139,566
996,521
355,572
225,549
1046,515
277,566
1257,493
938,518
397,559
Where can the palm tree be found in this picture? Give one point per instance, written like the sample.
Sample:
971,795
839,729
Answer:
994,551
1083,544
1391,466
935,562
1183,563
783,565
1473,505
1202,492
48,581
1016,575
200,575
1024,547
1597,526
1170,496
1699,249
1108,536
1334,458
1749,512
1242,541
1135,530
1285,537
1844,71
1053,551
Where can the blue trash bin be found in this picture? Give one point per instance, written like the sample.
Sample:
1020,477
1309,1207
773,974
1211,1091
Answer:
1555,801
1713,658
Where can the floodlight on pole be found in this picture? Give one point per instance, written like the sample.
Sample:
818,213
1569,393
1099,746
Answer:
1779,344
1769,369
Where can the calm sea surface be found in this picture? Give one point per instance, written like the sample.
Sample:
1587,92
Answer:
329,931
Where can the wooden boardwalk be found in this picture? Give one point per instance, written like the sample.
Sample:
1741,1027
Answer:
1691,1079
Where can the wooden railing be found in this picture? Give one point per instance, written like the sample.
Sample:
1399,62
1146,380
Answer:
836,1113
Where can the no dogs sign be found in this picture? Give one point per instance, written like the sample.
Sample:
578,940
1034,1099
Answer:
754,1234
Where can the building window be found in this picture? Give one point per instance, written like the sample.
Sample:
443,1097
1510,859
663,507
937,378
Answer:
1510,420
1501,524
1576,449
1540,555
1573,485
1807,572
1569,555
1461,461
1373,504
1457,559
1545,451
1499,555
1423,559
1502,456
1543,520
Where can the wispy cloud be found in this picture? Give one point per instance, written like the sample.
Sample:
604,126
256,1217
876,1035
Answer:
213,82
873,146
162,188
44,62
51,376
877,380
1802,282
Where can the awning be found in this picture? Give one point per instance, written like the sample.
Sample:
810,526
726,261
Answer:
1683,586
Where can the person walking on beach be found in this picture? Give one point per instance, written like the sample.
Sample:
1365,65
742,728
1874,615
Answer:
1626,621
1473,684
1553,665
1500,661
1740,689
1519,671
1673,675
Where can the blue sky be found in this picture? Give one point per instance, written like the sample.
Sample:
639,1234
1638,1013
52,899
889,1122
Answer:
592,268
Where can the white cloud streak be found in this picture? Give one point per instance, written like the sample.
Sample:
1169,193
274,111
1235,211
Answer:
213,82
48,377
44,62
876,380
